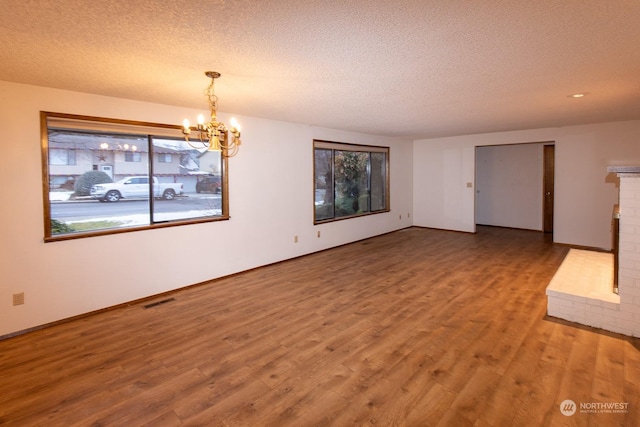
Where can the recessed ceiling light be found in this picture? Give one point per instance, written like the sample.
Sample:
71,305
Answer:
578,95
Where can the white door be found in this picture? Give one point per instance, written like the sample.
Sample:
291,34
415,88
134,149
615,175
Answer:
108,169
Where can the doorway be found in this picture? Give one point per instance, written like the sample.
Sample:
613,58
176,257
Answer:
549,178
514,186
108,169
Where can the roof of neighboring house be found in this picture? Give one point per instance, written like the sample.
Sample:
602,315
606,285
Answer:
94,142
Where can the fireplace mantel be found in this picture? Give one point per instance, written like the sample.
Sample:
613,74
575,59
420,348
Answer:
624,169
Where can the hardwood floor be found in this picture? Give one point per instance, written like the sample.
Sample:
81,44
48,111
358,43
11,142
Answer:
418,327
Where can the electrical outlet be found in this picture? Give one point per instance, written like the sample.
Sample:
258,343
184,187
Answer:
295,239
18,299
318,233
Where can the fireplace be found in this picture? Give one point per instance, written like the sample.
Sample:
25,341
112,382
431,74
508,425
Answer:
583,290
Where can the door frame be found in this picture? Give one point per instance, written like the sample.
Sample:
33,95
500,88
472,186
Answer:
548,185
546,179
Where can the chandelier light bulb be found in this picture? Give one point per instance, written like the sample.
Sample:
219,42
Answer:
200,119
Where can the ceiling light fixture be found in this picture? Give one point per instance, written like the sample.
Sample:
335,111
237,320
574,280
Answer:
214,135
578,95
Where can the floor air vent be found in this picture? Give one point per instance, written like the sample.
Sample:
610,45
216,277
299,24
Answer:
156,303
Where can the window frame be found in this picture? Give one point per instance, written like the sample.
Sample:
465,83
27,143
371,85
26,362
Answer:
343,146
70,159
162,158
132,157
149,129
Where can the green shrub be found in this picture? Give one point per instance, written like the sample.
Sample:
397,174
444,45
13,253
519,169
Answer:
86,180
59,227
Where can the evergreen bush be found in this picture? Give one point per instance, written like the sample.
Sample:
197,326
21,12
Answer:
87,180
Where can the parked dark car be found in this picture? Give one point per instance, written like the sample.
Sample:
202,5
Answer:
208,184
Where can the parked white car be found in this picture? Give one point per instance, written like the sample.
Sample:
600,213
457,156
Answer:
135,187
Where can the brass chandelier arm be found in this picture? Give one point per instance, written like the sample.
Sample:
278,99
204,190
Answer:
188,141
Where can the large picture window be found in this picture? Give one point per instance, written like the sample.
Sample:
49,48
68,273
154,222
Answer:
350,180
104,176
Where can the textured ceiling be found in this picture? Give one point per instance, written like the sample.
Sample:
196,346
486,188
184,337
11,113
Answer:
411,68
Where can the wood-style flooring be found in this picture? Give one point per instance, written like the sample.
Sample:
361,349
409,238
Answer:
419,327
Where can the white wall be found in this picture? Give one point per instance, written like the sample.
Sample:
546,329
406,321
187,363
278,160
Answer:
271,200
443,184
509,186
584,192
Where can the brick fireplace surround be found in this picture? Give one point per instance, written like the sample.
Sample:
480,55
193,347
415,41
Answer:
582,289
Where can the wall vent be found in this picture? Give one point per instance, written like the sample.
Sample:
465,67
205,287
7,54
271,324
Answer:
156,303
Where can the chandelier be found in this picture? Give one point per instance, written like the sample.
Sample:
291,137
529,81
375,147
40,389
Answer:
214,134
